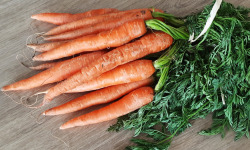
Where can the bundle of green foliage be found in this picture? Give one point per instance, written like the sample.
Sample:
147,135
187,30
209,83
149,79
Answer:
211,75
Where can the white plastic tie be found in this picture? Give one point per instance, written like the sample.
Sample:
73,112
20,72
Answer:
209,21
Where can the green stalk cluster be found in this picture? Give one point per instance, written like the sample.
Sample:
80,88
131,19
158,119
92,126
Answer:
211,75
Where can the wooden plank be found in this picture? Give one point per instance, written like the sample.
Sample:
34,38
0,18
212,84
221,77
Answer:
19,129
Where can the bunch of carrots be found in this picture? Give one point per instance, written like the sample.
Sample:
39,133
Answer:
110,46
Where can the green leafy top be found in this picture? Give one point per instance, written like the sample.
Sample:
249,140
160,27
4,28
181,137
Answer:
210,75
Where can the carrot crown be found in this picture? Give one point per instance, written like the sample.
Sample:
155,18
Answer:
176,33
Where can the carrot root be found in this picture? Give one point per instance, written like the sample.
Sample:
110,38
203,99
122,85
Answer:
59,72
101,96
100,27
127,104
129,72
113,38
150,43
44,47
63,18
90,21
43,66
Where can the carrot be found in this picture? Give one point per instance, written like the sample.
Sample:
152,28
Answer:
101,96
62,18
150,43
89,21
45,46
44,66
113,38
99,27
59,72
127,104
119,75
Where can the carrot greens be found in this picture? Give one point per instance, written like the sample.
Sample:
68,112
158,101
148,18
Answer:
211,75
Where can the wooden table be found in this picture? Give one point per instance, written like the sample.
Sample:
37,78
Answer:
22,128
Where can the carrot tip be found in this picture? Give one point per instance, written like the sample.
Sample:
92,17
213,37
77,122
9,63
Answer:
36,58
31,46
4,88
8,88
33,68
62,128
33,17
65,126
46,33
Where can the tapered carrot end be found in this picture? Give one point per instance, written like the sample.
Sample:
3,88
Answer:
62,127
33,46
47,34
37,68
37,16
34,17
15,86
37,58
48,113
7,88
4,88
67,125
34,68
48,37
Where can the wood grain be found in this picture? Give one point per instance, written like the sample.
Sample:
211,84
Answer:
20,127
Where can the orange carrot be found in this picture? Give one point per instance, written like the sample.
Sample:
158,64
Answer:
101,96
89,21
150,43
62,18
113,38
99,27
119,75
127,104
44,66
59,72
45,46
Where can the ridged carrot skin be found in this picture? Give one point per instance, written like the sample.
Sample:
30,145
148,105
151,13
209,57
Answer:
149,43
129,72
100,27
63,18
101,96
59,72
113,38
90,21
44,47
127,104
44,66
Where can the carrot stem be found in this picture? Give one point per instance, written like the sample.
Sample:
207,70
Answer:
169,18
176,33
